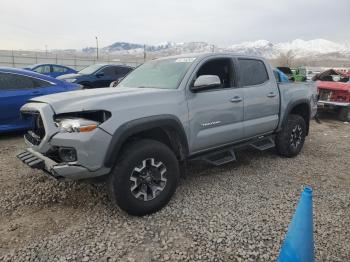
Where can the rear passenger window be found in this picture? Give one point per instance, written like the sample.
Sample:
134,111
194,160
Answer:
59,69
124,70
252,72
110,71
19,82
42,69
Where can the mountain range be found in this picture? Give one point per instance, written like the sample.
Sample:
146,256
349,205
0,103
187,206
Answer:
299,48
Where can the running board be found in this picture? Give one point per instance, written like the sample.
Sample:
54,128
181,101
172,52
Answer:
263,143
218,158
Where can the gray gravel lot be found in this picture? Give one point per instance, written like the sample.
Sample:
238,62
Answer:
239,212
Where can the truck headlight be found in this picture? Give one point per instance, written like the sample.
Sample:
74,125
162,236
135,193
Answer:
71,125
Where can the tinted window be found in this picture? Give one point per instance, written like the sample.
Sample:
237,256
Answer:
20,82
124,70
252,72
42,69
59,69
110,71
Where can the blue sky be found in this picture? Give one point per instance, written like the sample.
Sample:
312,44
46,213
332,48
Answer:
75,23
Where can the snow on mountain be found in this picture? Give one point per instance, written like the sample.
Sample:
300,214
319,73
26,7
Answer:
259,48
316,46
300,48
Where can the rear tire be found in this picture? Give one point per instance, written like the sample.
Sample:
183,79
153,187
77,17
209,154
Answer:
344,114
291,138
144,178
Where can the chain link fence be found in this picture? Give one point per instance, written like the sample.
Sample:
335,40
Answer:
22,59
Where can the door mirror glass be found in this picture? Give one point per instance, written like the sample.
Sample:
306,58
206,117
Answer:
205,82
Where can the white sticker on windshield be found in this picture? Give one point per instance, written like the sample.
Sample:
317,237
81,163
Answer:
185,60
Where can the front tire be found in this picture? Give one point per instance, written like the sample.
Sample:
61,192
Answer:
144,178
291,138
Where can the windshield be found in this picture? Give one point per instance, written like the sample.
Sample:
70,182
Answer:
165,73
90,69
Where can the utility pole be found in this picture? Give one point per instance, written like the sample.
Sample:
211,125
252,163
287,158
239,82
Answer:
96,47
212,48
144,53
46,50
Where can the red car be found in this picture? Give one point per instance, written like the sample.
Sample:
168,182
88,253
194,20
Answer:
334,92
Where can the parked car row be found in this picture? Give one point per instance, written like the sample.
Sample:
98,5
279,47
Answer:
17,86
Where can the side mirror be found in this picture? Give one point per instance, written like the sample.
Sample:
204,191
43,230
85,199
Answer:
205,82
100,74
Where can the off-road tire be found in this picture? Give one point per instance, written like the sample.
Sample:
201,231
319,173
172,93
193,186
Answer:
132,156
344,114
285,144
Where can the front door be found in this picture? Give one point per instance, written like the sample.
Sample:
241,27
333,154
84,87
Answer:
216,116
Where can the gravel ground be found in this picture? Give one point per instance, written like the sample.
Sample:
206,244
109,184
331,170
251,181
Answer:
239,212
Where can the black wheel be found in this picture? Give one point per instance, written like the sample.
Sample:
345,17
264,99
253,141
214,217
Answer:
144,178
291,139
344,114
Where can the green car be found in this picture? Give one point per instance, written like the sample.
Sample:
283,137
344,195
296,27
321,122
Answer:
294,74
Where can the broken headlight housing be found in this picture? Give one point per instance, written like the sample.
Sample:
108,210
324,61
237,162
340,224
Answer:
71,125
85,121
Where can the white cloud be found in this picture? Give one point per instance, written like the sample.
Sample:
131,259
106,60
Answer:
74,24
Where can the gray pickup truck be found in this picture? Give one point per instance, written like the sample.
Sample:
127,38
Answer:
140,135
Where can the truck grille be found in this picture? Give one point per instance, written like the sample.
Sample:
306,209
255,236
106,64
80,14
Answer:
37,133
325,95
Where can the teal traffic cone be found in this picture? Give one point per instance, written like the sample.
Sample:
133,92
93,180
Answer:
298,245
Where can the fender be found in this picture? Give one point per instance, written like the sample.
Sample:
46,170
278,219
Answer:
290,108
142,124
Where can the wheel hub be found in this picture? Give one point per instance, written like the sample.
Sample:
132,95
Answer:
148,179
296,136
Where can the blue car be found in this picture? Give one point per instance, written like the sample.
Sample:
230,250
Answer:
99,75
51,69
17,86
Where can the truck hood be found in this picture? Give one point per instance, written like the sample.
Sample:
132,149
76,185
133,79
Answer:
94,99
336,86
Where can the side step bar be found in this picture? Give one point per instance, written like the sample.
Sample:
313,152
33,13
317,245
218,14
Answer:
227,155
263,143
218,158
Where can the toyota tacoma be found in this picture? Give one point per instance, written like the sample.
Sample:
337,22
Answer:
140,135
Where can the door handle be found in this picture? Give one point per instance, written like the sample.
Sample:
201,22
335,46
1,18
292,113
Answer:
271,94
236,99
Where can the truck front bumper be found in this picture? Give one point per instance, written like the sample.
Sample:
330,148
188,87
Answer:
322,103
57,170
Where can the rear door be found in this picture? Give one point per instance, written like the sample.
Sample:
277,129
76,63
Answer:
15,91
261,97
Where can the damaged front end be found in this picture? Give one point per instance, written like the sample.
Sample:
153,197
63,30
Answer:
68,145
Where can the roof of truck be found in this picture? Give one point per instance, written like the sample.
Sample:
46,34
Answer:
203,55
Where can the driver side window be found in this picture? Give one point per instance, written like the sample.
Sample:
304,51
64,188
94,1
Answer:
221,67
